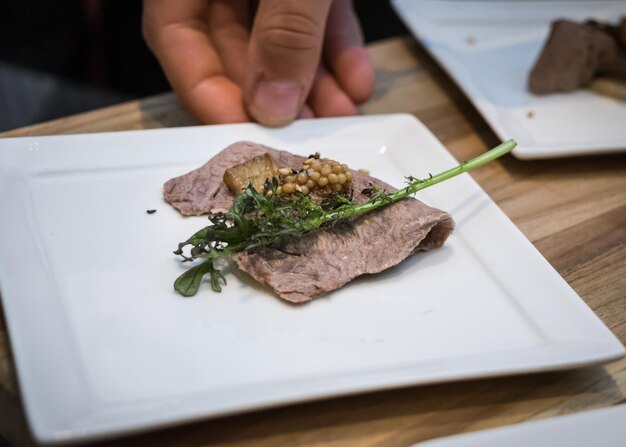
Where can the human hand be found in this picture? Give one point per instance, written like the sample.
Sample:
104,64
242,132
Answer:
230,62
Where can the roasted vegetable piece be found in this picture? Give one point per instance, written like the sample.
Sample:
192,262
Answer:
256,170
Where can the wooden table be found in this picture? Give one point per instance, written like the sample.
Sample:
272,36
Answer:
573,211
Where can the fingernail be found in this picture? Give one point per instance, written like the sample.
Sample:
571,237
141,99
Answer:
276,103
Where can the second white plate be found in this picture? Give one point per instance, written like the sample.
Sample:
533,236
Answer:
599,428
489,47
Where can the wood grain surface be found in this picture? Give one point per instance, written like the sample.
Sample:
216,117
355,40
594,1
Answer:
572,210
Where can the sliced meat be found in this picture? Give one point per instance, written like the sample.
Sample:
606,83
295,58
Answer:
575,53
202,190
324,260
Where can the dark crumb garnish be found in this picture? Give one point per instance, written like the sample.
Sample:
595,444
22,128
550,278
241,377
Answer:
150,211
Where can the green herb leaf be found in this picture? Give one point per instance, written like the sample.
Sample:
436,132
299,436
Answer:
189,282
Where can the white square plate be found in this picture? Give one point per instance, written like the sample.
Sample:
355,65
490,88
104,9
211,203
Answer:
598,428
103,345
489,47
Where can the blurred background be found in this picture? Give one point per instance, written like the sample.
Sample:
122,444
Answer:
63,57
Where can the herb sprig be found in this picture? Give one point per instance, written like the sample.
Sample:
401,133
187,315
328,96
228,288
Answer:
258,219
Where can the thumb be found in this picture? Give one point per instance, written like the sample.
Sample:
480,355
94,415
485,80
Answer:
283,56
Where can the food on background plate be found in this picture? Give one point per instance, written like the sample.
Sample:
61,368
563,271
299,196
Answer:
581,55
301,242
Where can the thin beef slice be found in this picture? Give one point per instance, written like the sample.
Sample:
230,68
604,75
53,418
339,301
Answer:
307,267
202,190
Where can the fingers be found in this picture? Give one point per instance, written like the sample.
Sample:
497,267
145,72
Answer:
306,113
207,53
283,56
327,98
229,22
178,34
344,52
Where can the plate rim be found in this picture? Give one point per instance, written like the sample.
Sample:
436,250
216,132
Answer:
605,350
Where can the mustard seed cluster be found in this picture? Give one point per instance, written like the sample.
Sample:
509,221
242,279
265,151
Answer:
320,176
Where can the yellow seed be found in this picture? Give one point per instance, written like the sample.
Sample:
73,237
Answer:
302,177
317,173
364,171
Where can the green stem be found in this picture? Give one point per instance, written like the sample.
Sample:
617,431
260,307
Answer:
417,185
